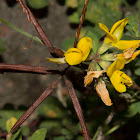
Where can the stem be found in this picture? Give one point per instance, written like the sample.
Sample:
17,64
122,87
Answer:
77,108
26,68
40,31
81,22
31,109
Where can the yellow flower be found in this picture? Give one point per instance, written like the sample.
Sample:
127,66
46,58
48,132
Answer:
116,65
113,37
116,31
103,92
118,78
84,45
75,56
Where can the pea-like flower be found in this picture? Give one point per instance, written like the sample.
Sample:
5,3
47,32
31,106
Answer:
113,37
118,78
75,56
103,59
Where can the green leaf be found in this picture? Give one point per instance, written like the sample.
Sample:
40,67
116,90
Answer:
133,109
113,129
25,130
2,46
35,38
72,3
5,114
10,123
137,71
80,138
137,64
95,39
74,18
138,136
133,25
51,108
59,138
51,125
68,43
40,134
37,4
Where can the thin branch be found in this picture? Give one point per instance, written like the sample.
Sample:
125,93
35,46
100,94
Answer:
81,22
26,68
77,108
42,97
3,135
109,118
40,31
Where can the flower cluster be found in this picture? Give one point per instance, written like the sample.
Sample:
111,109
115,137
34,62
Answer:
102,61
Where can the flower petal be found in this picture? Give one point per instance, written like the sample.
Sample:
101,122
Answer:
57,60
116,65
73,56
125,44
129,54
84,45
110,37
133,56
118,27
119,80
72,50
103,93
90,75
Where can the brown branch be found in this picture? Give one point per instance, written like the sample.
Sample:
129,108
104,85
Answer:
3,134
26,68
40,31
81,22
77,108
42,97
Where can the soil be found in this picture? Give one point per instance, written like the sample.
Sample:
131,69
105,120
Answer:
20,88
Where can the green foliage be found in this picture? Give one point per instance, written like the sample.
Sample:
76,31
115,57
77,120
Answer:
2,46
137,68
133,109
16,135
133,26
10,123
137,71
95,43
7,113
39,134
51,110
38,4
25,131
67,44
35,38
99,11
